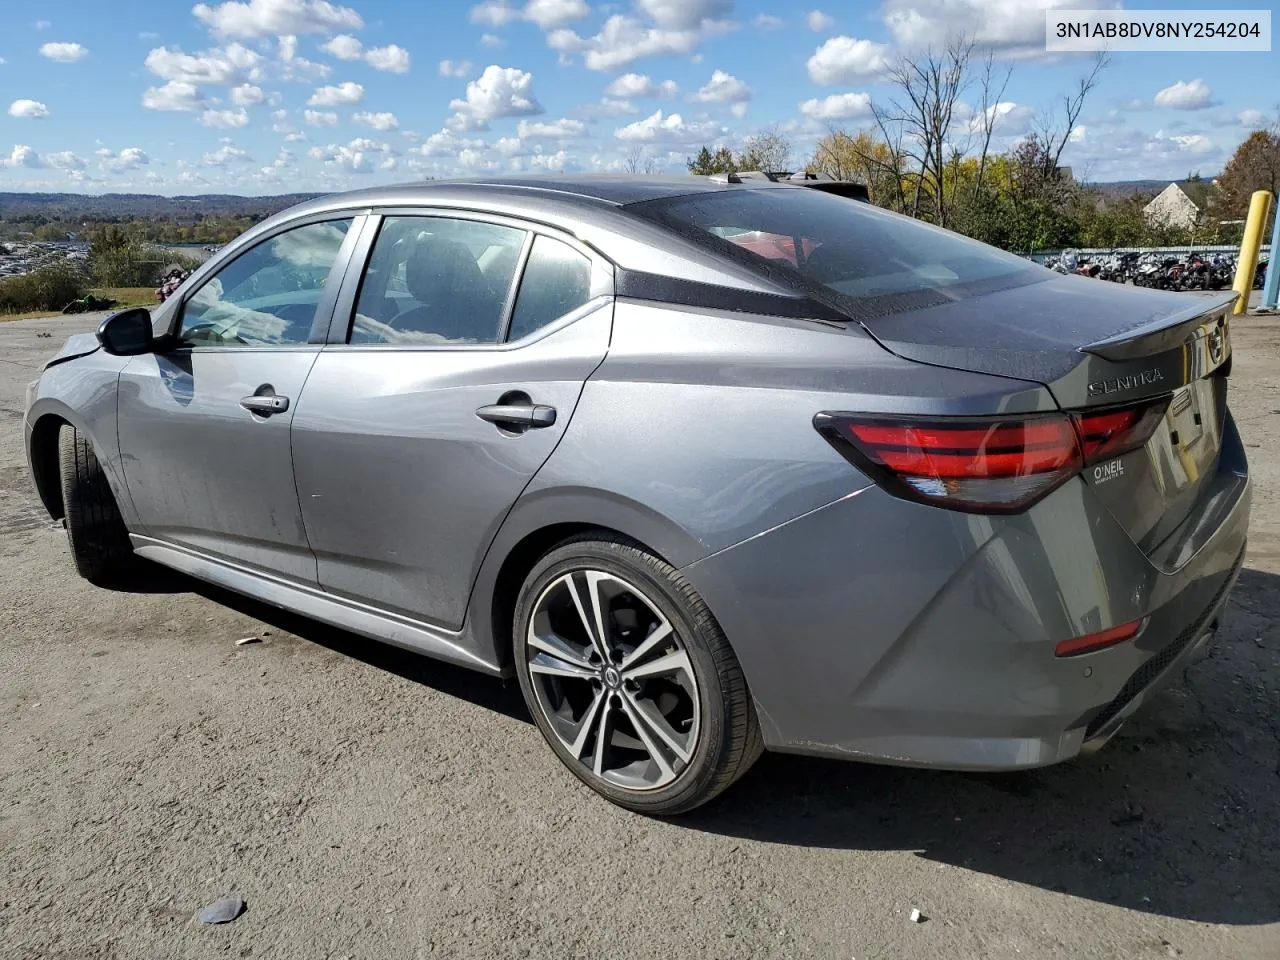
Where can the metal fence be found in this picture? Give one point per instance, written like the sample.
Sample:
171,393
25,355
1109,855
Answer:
1086,253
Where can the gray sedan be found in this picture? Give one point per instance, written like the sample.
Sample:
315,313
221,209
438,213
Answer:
710,466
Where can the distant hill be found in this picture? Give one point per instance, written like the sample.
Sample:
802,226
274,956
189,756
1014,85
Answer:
74,206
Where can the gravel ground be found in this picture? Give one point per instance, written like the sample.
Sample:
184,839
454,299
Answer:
370,804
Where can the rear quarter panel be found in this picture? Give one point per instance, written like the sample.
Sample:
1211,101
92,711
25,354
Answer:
696,432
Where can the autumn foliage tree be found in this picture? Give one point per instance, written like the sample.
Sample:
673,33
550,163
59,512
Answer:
1255,166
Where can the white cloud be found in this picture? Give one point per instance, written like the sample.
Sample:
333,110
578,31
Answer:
64,160
455,68
29,109
547,14
838,106
683,14
767,21
42,24
611,107
225,154
1195,143
1013,27
509,146
130,158
1190,95
389,59
246,95
225,119
638,85
819,22
63,52
174,95
335,96
1078,133
843,59
22,156
446,143
344,47
376,121
668,129
562,129
264,18
1250,118
354,157
551,161
489,40
1008,119
229,65
624,39
723,88
320,118
498,92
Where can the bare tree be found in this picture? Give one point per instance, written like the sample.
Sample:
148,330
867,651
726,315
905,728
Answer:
1052,131
769,150
993,88
919,117
639,160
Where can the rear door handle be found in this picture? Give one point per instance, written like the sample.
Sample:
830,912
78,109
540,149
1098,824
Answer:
532,415
265,405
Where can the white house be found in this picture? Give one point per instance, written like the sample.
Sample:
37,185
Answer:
1172,208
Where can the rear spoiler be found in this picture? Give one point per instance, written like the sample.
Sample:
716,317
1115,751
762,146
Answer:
816,181
1167,333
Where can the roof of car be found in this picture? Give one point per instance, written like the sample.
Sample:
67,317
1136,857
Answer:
613,189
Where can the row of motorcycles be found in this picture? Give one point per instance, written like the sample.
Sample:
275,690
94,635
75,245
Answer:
1161,271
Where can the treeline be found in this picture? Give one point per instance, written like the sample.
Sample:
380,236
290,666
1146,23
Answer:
202,230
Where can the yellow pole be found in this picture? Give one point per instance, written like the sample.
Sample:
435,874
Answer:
1259,207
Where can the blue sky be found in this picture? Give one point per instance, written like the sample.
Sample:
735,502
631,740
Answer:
272,96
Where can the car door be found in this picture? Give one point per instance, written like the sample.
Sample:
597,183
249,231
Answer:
204,425
456,369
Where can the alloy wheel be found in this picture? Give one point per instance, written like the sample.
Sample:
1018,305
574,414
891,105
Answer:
613,680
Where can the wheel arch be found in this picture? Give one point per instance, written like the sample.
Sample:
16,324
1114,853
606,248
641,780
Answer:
537,525
42,455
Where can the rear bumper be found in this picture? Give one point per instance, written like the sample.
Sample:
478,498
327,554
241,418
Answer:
882,630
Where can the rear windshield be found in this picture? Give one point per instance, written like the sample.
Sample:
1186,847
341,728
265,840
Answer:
859,252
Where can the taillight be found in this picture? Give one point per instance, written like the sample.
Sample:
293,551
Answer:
1108,433
985,464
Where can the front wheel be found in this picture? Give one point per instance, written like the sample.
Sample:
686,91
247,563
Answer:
630,679
99,541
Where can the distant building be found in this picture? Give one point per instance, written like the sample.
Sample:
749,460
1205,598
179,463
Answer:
1180,204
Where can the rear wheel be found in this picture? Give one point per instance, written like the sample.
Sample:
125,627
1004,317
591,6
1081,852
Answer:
99,541
630,678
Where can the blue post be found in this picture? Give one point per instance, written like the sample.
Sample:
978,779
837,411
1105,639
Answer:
1271,287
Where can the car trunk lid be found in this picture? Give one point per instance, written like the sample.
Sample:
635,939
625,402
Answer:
1099,345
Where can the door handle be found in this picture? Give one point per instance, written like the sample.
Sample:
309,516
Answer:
532,415
265,405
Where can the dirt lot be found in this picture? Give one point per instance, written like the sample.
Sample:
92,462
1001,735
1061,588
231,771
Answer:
370,804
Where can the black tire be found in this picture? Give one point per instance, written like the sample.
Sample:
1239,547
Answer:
728,737
99,541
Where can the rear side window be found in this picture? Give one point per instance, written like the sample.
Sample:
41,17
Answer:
436,280
858,252
557,280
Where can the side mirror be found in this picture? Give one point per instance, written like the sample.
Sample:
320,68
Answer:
127,333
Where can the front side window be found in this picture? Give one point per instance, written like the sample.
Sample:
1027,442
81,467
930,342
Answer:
557,280
268,295
435,280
